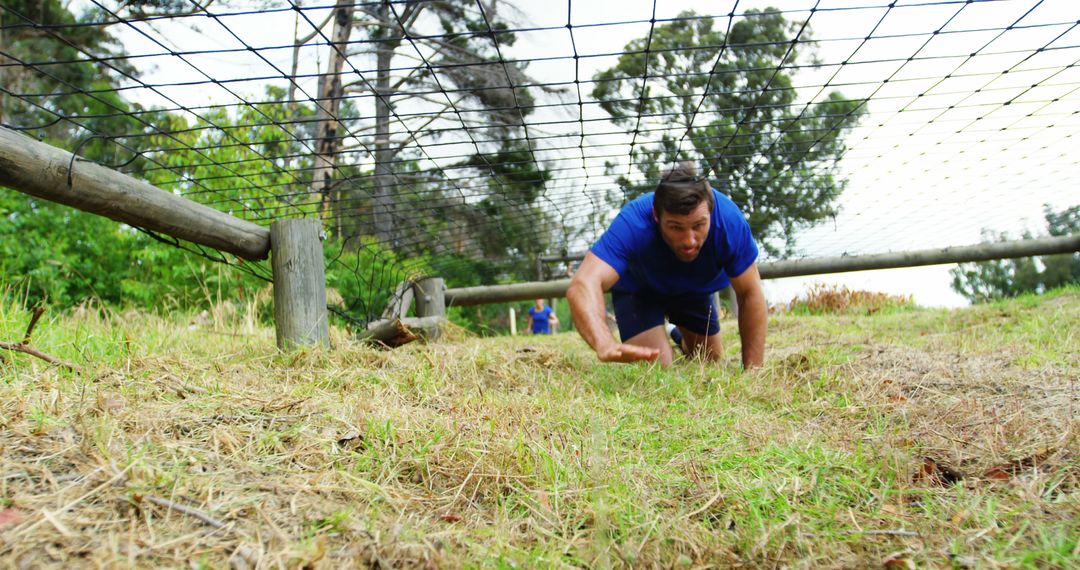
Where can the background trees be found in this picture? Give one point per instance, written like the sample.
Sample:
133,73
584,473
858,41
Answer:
731,104
413,73
988,280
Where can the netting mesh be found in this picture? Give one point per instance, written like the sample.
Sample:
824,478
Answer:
468,139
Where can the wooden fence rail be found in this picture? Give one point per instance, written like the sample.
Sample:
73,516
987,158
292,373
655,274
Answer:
50,173
53,174
795,268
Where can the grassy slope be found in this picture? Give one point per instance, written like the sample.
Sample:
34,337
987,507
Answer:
939,437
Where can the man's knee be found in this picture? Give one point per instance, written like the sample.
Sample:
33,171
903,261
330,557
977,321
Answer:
696,344
657,338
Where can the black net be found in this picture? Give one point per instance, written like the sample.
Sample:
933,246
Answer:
472,139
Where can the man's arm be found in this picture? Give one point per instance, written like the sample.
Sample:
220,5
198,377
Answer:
528,325
586,297
752,316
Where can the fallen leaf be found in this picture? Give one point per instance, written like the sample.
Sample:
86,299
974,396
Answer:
110,402
1011,469
542,498
937,473
450,518
352,436
898,560
244,557
11,516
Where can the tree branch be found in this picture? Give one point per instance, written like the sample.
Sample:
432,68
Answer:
25,348
38,311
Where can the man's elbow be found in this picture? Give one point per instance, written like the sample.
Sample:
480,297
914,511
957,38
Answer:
575,290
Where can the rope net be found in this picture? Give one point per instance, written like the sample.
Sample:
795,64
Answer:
469,139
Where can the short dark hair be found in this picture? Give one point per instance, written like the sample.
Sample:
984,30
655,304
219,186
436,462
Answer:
681,190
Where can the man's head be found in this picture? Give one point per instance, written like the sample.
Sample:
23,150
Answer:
682,207
539,304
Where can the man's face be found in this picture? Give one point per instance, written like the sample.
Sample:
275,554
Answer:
685,234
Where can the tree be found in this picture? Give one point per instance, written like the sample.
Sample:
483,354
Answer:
989,280
725,99
441,62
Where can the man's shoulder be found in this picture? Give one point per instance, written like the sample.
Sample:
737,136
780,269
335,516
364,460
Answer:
641,206
637,214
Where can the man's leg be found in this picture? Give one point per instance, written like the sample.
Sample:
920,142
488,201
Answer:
655,337
641,323
695,344
697,320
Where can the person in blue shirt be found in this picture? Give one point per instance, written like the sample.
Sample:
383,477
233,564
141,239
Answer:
665,256
541,319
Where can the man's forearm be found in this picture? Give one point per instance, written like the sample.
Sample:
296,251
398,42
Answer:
753,322
587,310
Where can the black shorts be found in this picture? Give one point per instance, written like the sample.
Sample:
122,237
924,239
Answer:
638,312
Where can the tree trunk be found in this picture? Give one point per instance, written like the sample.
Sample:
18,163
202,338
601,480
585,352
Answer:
328,141
384,154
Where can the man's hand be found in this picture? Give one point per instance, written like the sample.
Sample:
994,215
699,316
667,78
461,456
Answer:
627,353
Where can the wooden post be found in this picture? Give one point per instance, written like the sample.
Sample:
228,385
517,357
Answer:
513,322
430,297
299,284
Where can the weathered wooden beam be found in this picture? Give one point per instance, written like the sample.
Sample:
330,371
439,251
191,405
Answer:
38,169
396,332
483,295
825,265
982,252
299,284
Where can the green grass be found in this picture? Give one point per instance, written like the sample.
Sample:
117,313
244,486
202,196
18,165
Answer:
526,452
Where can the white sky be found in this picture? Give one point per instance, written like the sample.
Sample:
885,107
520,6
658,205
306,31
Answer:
925,177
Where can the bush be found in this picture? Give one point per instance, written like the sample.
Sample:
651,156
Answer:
824,299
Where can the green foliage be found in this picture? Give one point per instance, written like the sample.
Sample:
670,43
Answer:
772,157
988,280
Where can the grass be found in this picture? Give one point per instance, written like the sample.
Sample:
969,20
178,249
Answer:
940,438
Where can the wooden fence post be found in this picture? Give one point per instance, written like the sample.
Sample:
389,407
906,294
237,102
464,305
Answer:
299,284
430,297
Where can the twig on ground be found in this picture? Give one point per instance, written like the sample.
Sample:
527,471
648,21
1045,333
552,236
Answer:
38,311
706,506
25,348
883,532
184,509
285,406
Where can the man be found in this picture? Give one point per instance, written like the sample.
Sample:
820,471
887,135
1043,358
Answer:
541,319
665,255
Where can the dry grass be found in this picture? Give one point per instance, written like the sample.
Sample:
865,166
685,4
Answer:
930,437
822,299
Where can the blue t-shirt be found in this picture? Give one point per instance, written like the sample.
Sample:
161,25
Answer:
540,320
634,248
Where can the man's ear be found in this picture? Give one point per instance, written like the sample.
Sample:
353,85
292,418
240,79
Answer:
655,217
